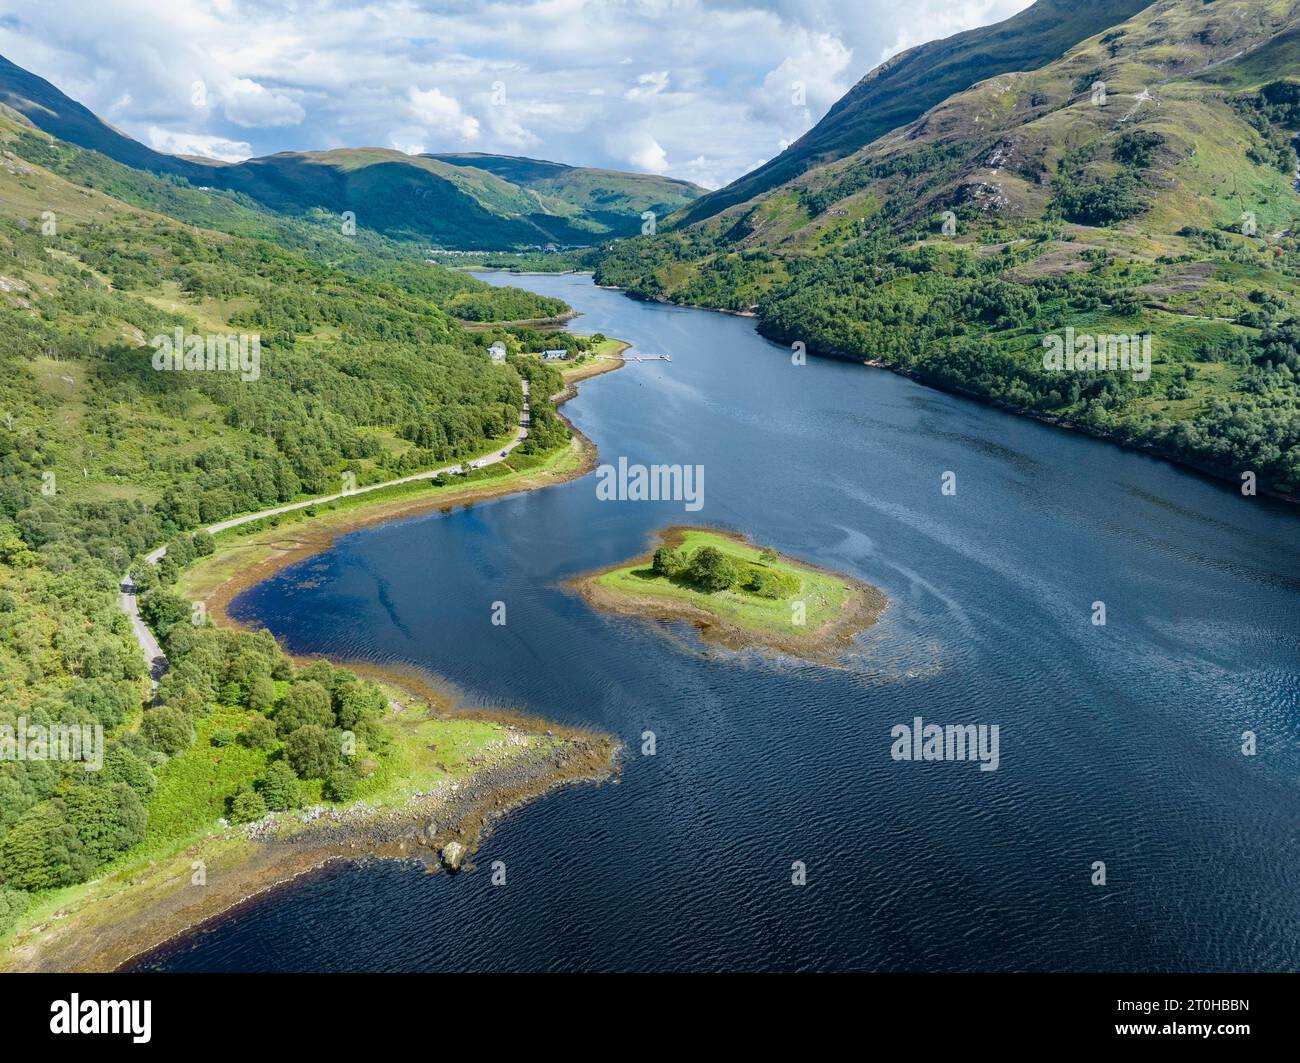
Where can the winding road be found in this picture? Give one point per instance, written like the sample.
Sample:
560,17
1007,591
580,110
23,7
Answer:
129,599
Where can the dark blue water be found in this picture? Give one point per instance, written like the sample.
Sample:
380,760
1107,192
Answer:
1119,743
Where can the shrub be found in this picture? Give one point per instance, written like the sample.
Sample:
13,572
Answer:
1137,148
204,544
162,609
281,789
355,701
167,730
668,562
261,693
124,766
246,806
260,734
106,819
12,904
341,783
61,841
40,851
768,584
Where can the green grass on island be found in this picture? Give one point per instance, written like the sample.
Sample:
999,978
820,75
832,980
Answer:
739,593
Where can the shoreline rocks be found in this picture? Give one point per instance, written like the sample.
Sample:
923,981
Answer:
452,856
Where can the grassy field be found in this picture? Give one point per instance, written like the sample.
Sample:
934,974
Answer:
608,346
822,594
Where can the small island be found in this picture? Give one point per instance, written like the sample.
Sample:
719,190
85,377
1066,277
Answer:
738,594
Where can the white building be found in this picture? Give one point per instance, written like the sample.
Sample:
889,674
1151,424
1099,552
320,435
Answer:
554,356
497,352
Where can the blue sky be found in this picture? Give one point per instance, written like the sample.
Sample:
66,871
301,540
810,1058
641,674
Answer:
700,89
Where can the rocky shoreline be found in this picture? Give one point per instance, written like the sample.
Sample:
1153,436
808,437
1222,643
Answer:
144,910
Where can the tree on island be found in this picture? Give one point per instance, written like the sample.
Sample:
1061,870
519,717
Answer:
668,562
711,570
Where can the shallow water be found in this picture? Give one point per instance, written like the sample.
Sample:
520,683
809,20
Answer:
1118,743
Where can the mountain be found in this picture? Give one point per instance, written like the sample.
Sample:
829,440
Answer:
308,377
911,82
47,108
608,197
1141,183
452,201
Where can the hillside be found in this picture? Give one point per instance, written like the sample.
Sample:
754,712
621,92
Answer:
1163,206
909,83
452,201
334,377
601,197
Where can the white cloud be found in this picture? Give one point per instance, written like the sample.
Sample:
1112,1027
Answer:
817,71
505,125
209,147
649,156
936,19
703,171
695,88
648,85
440,113
402,141
637,148
253,106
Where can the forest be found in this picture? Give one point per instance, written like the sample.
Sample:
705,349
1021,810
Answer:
366,371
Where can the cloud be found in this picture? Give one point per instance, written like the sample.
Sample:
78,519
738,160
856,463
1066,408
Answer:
648,85
703,171
698,89
253,106
816,72
440,113
209,147
937,19
407,141
649,156
505,126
